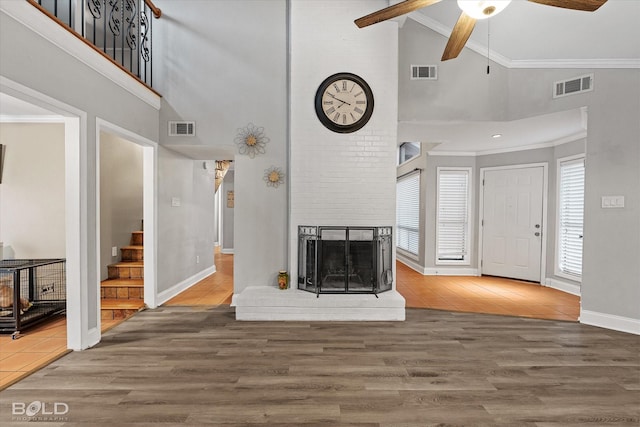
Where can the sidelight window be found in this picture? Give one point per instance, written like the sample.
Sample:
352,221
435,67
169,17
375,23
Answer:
454,200
570,217
408,212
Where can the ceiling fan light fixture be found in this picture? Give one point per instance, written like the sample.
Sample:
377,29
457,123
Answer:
482,9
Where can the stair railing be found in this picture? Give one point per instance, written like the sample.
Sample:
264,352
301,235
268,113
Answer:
120,29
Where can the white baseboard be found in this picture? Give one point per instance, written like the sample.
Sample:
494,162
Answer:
411,264
439,271
563,286
451,271
610,321
226,251
165,296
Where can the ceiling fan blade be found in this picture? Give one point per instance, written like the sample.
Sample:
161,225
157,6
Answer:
586,5
459,36
394,11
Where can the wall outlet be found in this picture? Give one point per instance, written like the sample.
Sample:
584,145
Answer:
114,251
197,259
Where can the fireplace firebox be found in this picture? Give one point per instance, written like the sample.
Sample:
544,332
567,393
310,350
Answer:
349,260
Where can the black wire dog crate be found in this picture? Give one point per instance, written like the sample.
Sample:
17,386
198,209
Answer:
31,291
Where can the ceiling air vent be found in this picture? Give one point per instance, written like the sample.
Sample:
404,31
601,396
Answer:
572,86
424,72
182,128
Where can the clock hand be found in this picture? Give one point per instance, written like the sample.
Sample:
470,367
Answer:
337,99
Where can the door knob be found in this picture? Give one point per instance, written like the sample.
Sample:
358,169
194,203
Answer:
537,233
537,225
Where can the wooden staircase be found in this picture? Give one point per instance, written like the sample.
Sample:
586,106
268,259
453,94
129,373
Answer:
122,294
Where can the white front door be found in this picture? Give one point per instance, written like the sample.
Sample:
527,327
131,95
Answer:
512,222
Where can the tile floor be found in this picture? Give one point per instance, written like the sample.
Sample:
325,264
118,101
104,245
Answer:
36,347
43,344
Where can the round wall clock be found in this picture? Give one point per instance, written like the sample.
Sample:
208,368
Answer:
344,102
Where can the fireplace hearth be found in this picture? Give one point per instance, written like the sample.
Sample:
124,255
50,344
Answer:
349,260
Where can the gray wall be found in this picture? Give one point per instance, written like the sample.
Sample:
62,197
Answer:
548,156
463,90
231,70
120,196
185,232
611,271
39,64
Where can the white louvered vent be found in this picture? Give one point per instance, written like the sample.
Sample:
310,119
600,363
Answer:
572,86
424,72
182,128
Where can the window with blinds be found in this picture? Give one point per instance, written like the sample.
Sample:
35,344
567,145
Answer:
570,217
408,213
452,235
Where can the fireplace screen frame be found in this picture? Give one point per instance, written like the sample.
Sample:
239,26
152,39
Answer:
360,274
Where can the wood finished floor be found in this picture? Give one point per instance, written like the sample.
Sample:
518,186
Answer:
41,345
199,366
485,294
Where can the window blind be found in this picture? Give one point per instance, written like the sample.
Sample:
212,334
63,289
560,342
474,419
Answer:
571,213
453,215
408,212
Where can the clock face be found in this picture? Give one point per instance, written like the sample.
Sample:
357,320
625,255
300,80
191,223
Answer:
344,102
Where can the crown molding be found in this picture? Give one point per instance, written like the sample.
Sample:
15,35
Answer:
526,63
575,63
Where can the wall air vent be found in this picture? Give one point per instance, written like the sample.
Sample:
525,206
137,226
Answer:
182,128
424,72
572,86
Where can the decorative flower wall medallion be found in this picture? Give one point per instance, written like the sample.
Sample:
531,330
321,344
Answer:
251,140
273,176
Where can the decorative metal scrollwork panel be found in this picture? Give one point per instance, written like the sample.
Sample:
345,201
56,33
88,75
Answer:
122,30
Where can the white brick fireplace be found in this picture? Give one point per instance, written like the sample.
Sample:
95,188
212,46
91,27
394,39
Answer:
336,179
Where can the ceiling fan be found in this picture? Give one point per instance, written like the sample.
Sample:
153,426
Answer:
472,10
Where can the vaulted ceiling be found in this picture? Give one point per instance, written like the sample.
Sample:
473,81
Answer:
530,35
527,33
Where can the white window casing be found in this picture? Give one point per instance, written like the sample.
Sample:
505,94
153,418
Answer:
570,217
408,151
453,233
408,213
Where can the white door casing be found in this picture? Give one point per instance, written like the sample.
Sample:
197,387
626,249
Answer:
512,227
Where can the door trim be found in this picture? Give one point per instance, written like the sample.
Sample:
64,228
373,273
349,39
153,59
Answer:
545,204
149,201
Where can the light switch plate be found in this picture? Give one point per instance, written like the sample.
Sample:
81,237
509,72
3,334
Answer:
175,201
612,202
